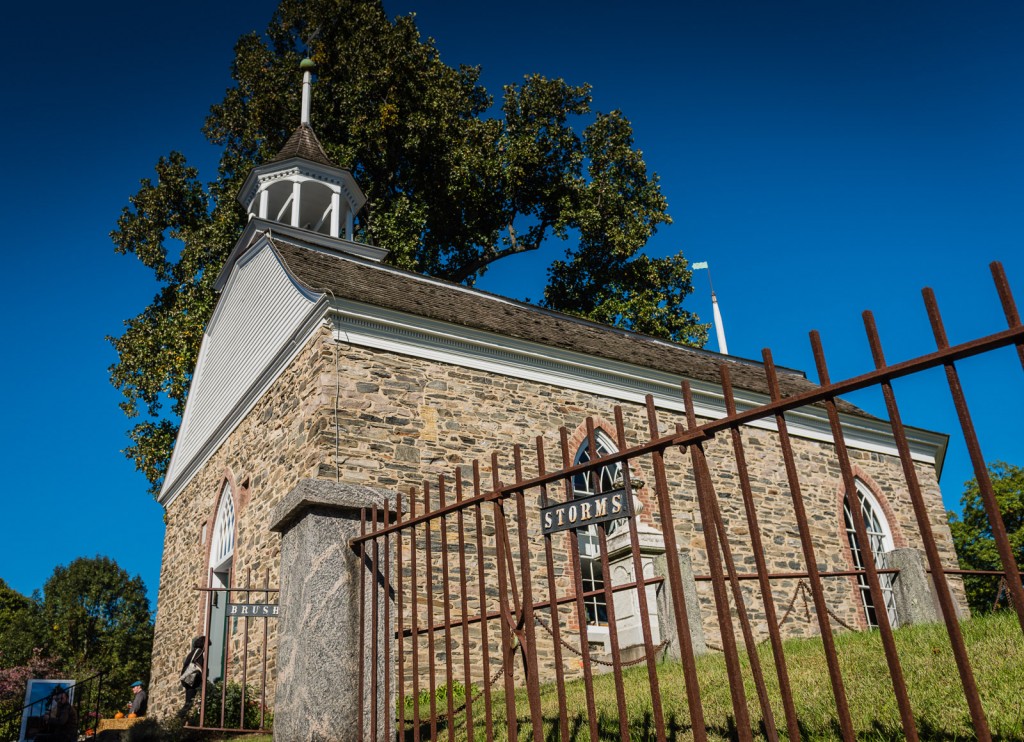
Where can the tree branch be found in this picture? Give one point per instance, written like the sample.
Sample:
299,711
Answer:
492,255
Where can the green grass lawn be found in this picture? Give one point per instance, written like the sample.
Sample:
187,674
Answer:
994,642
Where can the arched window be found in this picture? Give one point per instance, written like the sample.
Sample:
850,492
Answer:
223,532
585,484
222,552
880,541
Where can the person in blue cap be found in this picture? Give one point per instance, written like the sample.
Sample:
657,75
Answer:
139,699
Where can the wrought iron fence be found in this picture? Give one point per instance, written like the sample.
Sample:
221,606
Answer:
480,591
232,694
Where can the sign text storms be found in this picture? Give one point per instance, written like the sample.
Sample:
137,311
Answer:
586,511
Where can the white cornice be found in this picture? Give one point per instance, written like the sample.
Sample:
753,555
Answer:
299,166
373,327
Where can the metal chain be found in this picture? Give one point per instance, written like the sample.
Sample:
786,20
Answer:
801,591
458,709
540,622
1002,591
501,668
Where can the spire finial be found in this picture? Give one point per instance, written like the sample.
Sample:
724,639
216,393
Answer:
306,65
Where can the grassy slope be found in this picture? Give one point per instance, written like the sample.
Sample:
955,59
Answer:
995,645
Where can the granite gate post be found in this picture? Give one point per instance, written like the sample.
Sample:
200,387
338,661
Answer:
318,639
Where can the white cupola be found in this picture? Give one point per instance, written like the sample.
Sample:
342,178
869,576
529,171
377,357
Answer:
301,187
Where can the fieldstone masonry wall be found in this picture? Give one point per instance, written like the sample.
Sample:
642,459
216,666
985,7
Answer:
272,449
380,419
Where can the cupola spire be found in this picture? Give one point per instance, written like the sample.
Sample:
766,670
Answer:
306,65
301,187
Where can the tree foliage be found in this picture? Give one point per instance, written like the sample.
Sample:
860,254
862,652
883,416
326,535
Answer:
96,618
13,683
454,185
972,532
20,627
21,655
91,616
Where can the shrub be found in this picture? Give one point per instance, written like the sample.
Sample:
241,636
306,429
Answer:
232,706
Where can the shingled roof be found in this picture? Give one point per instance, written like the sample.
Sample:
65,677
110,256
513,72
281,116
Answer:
411,293
303,143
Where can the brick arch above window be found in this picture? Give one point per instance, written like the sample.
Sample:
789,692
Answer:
228,488
579,435
642,489
866,486
898,538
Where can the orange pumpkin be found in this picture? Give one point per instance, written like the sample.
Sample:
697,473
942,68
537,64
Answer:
118,715
133,716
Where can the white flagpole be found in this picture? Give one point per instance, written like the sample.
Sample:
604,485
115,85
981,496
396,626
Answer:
719,327
723,347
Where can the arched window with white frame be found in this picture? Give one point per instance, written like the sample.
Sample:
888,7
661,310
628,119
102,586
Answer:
586,484
222,552
223,547
880,542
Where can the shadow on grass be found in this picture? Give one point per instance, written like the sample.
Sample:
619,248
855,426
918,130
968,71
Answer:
644,729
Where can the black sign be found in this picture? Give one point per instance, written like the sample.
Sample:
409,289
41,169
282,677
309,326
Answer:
586,511
254,610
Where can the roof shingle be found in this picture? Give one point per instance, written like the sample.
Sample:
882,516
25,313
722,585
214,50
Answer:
432,298
303,143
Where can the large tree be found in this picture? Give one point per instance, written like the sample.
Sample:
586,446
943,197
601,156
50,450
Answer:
96,617
972,532
20,627
453,185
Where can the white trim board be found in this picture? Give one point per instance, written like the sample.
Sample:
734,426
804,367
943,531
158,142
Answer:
373,327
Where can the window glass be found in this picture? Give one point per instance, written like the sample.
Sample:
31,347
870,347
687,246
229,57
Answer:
880,542
223,530
586,484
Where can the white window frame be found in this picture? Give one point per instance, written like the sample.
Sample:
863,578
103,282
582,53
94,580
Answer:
223,548
588,538
881,541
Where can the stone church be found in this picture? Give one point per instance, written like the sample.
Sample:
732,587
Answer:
322,362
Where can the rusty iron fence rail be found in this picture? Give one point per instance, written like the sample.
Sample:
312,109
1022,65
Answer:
469,576
236,674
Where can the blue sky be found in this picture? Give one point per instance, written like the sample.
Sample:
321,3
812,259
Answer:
823,157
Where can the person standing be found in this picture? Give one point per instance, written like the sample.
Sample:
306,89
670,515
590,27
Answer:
139,700
191,677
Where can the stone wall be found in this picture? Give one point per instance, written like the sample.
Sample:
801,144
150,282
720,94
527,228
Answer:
386,420
263,458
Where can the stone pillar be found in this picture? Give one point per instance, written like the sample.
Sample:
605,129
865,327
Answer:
318,638
627,603
668,624
911,587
